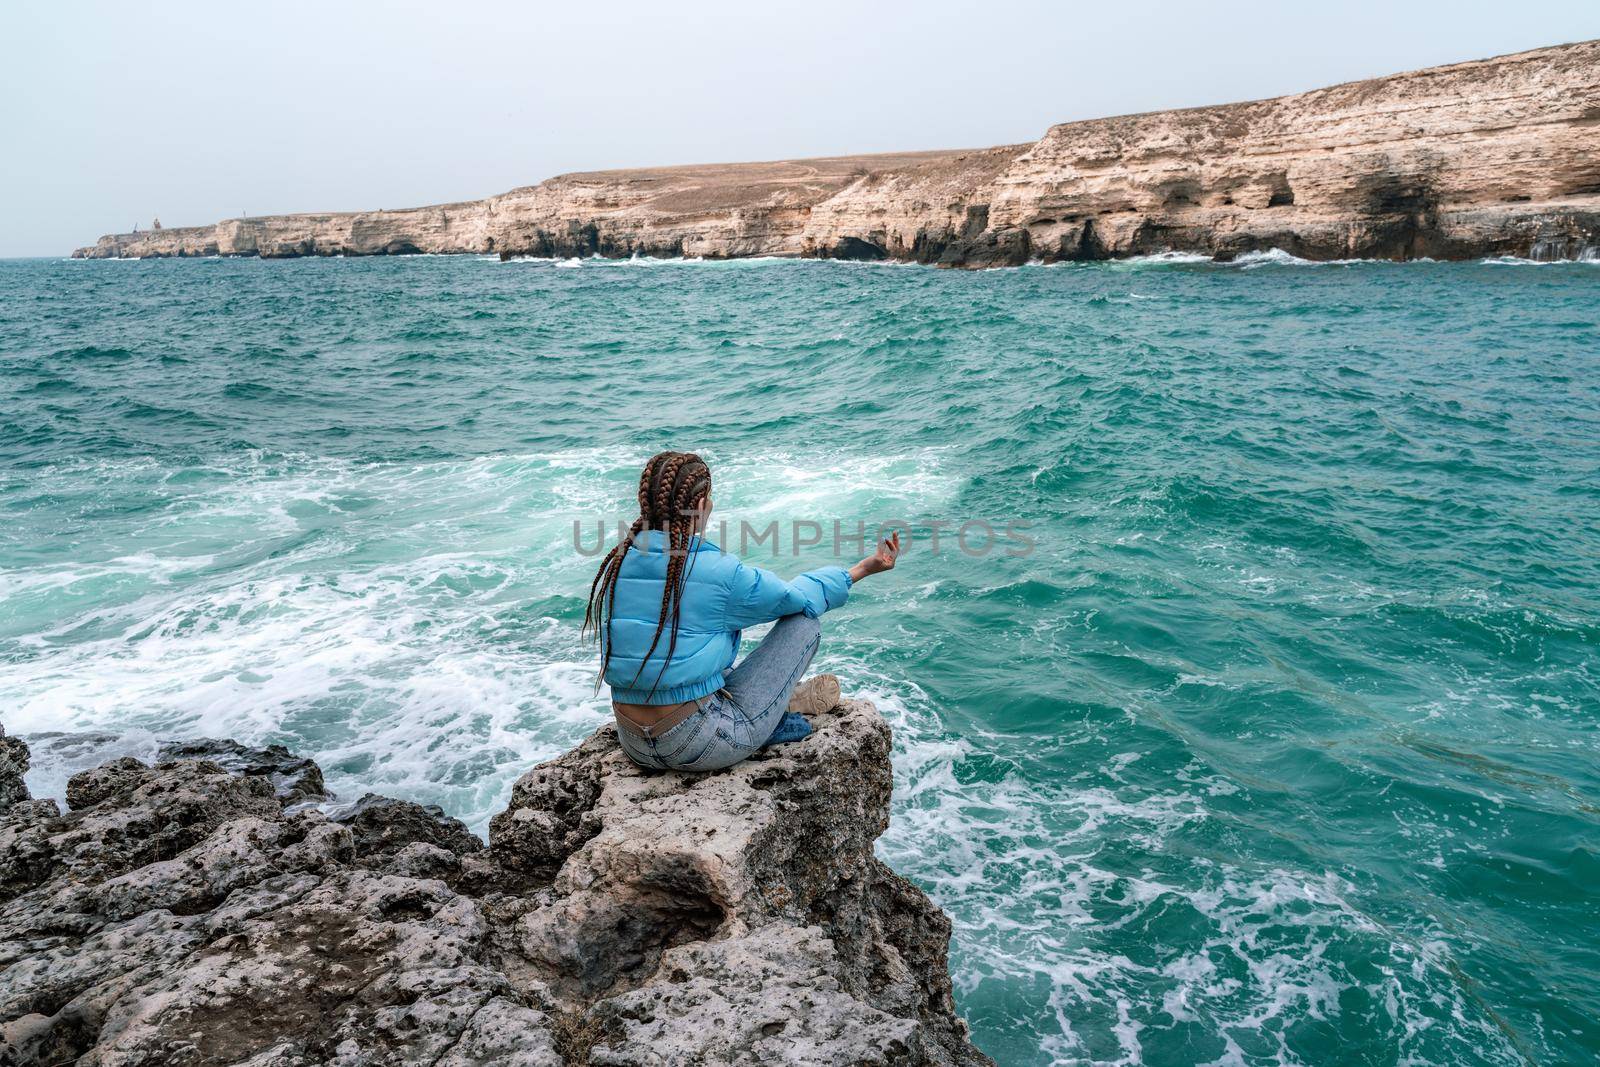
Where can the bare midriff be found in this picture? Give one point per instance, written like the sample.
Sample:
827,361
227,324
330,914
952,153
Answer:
653,718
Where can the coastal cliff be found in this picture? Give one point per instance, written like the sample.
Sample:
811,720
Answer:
203,910
1493,157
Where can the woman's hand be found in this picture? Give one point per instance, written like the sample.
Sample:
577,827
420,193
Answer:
881,560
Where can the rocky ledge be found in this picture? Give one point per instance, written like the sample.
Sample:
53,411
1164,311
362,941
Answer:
1485,158
203,911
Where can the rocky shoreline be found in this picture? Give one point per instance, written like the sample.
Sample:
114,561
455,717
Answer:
205,909
1486,158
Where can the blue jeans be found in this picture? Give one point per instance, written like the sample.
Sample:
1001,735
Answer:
737,719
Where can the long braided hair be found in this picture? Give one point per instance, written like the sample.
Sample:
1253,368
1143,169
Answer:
671,486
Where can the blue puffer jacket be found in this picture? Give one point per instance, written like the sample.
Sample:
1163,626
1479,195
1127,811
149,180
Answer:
721,596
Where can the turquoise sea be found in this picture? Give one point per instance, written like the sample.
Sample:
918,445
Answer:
1279,747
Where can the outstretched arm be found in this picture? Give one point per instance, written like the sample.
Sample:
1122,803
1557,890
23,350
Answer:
758,595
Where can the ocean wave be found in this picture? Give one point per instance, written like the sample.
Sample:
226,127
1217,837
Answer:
396,677
1272,257
1280,258
1169,257
55,757
1590,257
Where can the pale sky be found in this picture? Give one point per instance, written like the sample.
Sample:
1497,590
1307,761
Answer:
113,113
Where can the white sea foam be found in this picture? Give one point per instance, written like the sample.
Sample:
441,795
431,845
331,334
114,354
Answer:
1590,256
1274,257
1278,257
1168,257
54,758
1271,257
392,679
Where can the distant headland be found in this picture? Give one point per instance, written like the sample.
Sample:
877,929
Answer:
1492,157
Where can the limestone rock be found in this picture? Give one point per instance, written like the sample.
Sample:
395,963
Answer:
384,827
295,780
1491,157
766,998
182,913
13,765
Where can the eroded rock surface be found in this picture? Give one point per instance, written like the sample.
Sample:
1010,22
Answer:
13,765
189,913
295,779
1492,157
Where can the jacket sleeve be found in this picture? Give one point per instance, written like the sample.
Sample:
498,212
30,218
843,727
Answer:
757,596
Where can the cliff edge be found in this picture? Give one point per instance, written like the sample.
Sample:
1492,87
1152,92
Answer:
1492,157
189,913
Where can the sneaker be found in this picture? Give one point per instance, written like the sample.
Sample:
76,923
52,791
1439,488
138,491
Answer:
815,695
791,727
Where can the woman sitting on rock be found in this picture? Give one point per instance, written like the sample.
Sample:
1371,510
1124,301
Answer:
668,607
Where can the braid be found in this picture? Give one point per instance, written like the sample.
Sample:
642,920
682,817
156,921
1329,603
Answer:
645,482
666,514
605,585
684,562
670,486
661,501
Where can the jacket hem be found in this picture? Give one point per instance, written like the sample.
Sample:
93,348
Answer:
675,694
